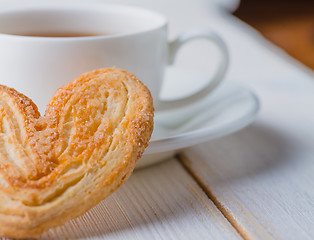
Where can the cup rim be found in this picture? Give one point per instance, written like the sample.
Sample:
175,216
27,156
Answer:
82,6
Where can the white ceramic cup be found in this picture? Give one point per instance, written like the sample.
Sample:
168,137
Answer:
130,38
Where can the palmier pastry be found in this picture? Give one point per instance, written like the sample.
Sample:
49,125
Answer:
56,167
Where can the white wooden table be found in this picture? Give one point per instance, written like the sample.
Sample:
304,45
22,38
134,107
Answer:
254,184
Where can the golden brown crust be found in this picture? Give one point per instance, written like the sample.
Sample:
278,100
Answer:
56,167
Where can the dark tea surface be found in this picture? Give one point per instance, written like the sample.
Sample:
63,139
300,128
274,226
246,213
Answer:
61,34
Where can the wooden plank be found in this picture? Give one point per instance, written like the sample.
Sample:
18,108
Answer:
160,202
261,179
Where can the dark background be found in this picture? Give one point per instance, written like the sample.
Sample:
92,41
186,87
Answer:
287,23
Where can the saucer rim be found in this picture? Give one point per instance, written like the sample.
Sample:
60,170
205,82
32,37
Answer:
199,135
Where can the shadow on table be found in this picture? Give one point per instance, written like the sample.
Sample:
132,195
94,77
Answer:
257,149
152,200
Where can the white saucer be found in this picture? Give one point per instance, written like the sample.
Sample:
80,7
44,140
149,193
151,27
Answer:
230,108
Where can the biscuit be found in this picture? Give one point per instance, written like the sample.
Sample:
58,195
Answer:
56,167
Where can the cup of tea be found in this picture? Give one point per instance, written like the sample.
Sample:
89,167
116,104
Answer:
45,47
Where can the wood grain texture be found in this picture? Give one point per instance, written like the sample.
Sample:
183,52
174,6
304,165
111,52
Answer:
261,180
160,202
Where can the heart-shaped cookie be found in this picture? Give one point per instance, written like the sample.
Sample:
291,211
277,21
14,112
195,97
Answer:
55,167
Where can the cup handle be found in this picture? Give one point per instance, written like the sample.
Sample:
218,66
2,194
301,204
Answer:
175,45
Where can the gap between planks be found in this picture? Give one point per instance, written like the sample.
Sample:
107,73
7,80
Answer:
207,190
